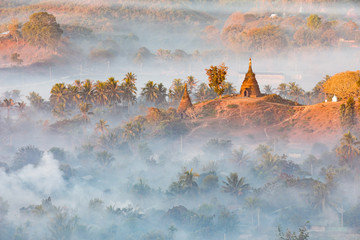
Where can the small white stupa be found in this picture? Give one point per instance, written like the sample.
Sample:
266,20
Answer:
334,98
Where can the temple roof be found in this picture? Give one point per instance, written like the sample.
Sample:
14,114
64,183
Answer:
250,87
185,101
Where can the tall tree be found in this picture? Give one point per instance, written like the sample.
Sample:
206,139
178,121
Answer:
268,89
187,180
73,95
58,94
36,100
234,185
8,103
150,92
132,131
295,91
87,92
101,93
191,83
283,90
102,126
204,92
313,22
42,30
161,94
229,88
176,91
217,76
114,91
129,89
85,111
348,151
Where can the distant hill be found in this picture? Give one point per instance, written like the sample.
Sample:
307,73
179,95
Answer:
267,118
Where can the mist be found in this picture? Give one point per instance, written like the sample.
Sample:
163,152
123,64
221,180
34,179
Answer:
134,168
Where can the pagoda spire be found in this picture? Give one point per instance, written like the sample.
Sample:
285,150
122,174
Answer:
185,101
250,65
250,87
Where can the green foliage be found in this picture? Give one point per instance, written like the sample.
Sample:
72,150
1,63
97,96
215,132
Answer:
154,93
210,182
348,114
348,151
42,30
63,226
186,184
269,37
27,155
58,153
176,91
36,100
104,158
313,22
132,131
204,92
217,148
217,76
235,186
288,235
141,189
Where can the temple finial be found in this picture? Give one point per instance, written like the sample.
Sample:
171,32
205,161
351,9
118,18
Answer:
250,62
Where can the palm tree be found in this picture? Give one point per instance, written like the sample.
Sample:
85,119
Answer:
104,158
283,90
204,93
101,93
321,195
132,131
150,92
268,89
188,183
102,126
59,111
87,92
113,91
8,103
35,100
129,88
239,157
161,94
110,140
348,151
73,95
269,165
295,91
234,185
229,88
191,83
176,90
59,94
85,111
172,229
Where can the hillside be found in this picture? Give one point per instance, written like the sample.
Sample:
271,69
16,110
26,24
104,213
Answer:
264,119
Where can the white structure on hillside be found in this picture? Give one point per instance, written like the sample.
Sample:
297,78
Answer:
334,98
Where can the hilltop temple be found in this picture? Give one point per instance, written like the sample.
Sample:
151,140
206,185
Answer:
185,103
250,87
